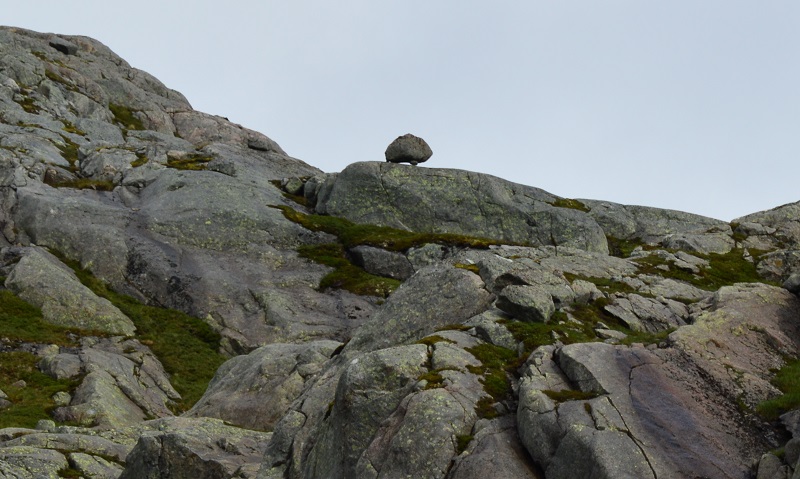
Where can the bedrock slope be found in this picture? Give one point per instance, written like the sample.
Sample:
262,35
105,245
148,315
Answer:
543,358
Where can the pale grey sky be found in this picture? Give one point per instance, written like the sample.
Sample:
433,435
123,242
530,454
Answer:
688,104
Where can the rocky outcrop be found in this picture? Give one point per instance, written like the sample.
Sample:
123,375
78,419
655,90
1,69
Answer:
439,200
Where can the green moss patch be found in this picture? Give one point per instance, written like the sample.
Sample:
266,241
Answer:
568,395
32,402
140,160
622,248
787,379
69,151
571,204
125,118
469,267
84,184
29,105
23,322
186,346
353,234
346,275
193,162
69,127
498,364
723,270
55,77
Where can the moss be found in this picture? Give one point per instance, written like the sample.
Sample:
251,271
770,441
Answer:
23,322
469,267
485,408
723,270
462,442
69,472
299,199
346,275
622,248
606,285
125,117
431,340
29,105
55,77
140,160
69,151
497,366
69,127
85,184
787,380
433,378
186,346
33,402
353,234
571,204
193,162
568,395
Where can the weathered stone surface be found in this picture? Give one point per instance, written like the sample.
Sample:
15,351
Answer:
434,297
381,262
255,390
23,462
526,303
43,281
183,448
408,149
124,385
494,451
455,201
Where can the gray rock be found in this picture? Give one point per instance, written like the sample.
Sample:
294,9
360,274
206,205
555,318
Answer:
183,448
455,201
494,451
107,164
526,303
64,46
255,390
22,462
425,255
43,281
408,149
61,366
434,297
700,243
771,467
94,467
382,262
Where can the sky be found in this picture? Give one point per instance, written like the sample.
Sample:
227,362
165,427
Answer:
691,105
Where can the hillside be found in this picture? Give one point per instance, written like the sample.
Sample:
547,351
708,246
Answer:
182,299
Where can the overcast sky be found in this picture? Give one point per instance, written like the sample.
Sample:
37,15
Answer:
688,104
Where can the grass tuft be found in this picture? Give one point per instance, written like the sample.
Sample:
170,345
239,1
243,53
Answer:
787,380
571,204
346,275
125,117
33,402
194,162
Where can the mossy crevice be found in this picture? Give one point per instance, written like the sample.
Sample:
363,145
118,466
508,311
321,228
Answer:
571,204
125,117
191,162
186,346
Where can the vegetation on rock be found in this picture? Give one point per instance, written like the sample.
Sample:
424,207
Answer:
787,379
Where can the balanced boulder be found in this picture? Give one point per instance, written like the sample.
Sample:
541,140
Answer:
408,149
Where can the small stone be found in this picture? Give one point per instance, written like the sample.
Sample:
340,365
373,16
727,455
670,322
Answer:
19,384
4,403
45,425
62,398
408,149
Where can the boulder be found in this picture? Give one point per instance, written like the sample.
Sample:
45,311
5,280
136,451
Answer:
455,201
434,297
255,390
408,149
381,262
526,303
42,280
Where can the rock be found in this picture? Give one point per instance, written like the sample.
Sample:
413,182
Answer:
771,467
43,281
494,451
408,149
94,466
454,201
792,283
720,243
61,366
434,297
64,46
124,385
255,390
526,303
22,462
183,448
382,262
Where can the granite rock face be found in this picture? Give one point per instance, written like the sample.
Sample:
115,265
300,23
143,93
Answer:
591,339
